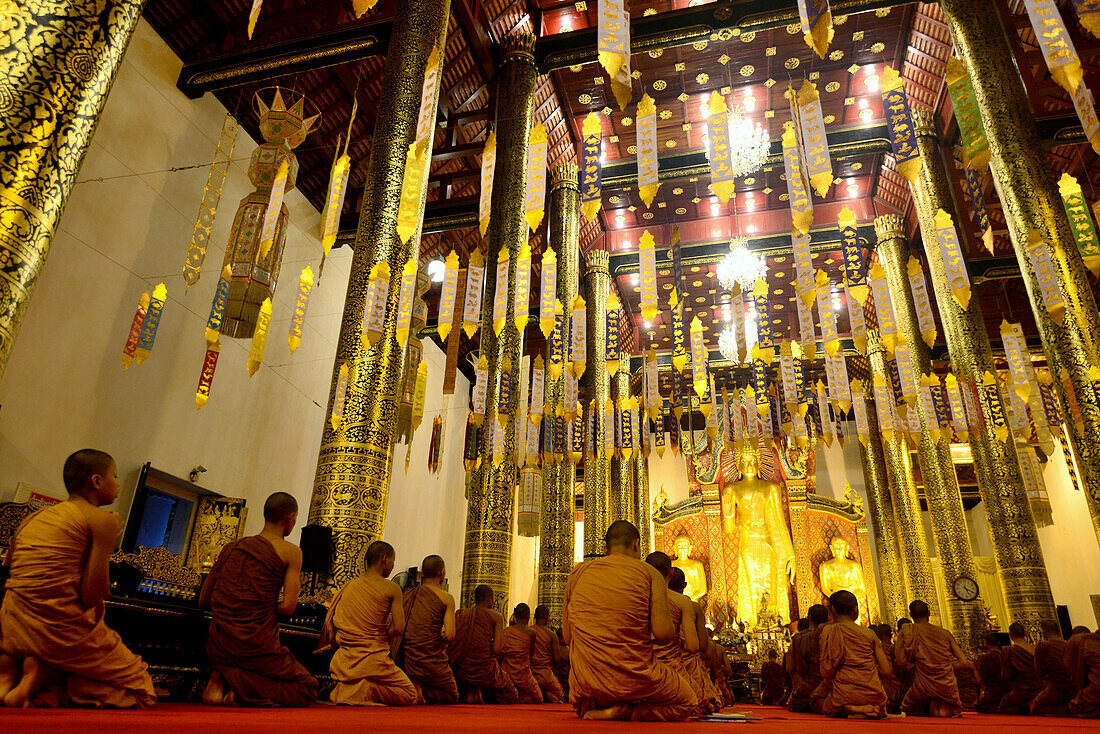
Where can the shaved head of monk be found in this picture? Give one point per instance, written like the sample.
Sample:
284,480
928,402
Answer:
380,557
989,639
522,613
662,563
1051,629
281,511
1080,630
483,596
843,603
819,614
432,567
622,538
919,610
91,474
803,624
904,621
677,582
1017,631
542,614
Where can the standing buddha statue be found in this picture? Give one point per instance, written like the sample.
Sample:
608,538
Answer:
694,574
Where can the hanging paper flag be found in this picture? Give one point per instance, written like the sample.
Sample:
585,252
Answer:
360,7
274,205
1046,275
538,387
338,397
734,429
677,395
1088,15
807,335
713,417
659,435
1050,401
817,25
253,14
907,373
558,437
958,410
899,120
926,322
626,428
558,340
752,421
536,177
884,403
206,377
802,207
718,133
498,431
803,266
577,351
939,400
646,125
1085,105
475,284
652,384
505,386
965,104
1054,41
488,168
531,443
613,45
1080,222
836,372
647,257
576,440
132,338
419,394
471,447
739,326
884,307
760,385
1017,415
801,384
569,393
677,267
679,335
378,294
611,343
259,338
547,292
405,301
996,409
786,373
827,426
977,198
855,276
447,296
609,428
1017,357
826,315
217,307
928,405
147,337
294,338
819,165
334,198
591,198
481,387
765,342
208,207
856,321
500,292
522,304
699,372
958,280
706,399
859,408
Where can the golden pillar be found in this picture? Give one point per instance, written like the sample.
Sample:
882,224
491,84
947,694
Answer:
487,557
556,523
641,495
941,485
881,514
1011,526
352,483
1029,195
597,499
622,470
919,581
60,59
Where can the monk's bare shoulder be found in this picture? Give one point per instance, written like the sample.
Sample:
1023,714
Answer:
100,522
287,551
444,596
680,601
653,573
496,616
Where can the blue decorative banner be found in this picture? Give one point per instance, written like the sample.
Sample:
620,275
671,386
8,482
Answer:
977,198
899,119
855,272
504,394
590,167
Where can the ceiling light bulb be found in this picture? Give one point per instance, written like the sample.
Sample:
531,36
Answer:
436,270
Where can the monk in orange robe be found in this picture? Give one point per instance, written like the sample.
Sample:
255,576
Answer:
789,669
994,686
479,638
366,613
694,670
613,607
1018,668
933,655
561,668
429,626
852,657
721,672
250,665
1050,666
806,663
1083,661
515,655
890,681
771,675
674,652
52,617
545,654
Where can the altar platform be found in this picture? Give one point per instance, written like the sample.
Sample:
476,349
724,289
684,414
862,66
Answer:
173,717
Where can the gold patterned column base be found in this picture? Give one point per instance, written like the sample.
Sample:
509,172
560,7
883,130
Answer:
597,469
622,471
641,498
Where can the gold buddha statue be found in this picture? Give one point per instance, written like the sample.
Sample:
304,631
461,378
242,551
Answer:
693,570
765,550
842,573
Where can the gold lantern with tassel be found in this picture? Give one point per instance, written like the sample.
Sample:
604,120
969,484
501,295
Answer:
255,249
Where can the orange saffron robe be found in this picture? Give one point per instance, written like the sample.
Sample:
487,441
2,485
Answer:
515,656
807,669
849,668
994,685
1083,661
926,649
1018,668
43,616
542,665
1050,665
771,674
612,659
471,656
361,667
423,653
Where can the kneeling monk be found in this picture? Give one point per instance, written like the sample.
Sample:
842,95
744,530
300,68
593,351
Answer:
545,654
933,655
1083,661
852,657
515,655
242,592
613,606
52,617
479,637
1050,664
361,668
1018,668
429,626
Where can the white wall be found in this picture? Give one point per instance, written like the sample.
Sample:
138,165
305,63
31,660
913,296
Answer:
125,229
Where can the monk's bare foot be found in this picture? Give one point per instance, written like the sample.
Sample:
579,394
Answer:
214,693
34,678
230,699
419,694
472,695
618,712
9,674
862,712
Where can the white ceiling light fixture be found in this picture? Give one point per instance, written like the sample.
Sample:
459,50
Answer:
741,268
727,344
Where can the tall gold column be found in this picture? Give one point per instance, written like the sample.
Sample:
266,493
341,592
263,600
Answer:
641,496
487,557
1011,526
919,581
891,571
597,499
941,485
352,483
60,60
622,471
1026,186
556,524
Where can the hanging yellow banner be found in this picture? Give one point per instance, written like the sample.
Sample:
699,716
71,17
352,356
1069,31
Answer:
338,398
337,189
826,315
899,120
536,177
802,207
274,205
591,199
884,307
558,343
548,292
646,126
958,280
859,408
858,324
926,321
1085,105
1046,275
206,377
481,388
1088,15
579,337
522,304
1080,222
1015,354
411,206
718,132
378,295
807,334
817,25
259,338
647,260
855,277
907,373
488,168
971,129
996,408
500,291
130,347
147,337
471,299
305,285
208,207
958,408
679,333
611,342
884,407
538,387
447,296
613,46
819,165
405,299
928,405
836,372
419,394
699,373
1054,41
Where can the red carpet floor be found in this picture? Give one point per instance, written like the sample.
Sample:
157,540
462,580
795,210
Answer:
193,718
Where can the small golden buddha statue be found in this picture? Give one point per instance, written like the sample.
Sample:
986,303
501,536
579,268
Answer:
694,574
841,573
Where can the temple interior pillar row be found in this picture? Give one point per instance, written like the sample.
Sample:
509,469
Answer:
597,395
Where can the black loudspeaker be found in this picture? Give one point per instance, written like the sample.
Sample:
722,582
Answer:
317,549
1063,620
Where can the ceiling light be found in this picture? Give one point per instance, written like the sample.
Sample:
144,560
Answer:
436,269
863,104
727,344
853,189
741,268
752,229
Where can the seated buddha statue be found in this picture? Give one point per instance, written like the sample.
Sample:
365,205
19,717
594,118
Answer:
693,569
840,572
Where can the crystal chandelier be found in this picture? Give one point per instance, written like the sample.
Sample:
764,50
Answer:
727,344
741,268
749,143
